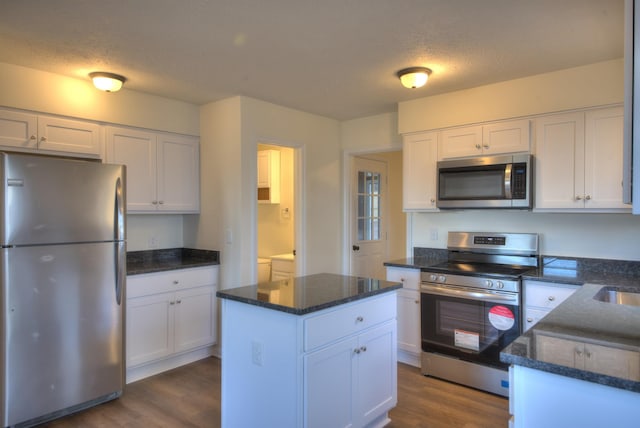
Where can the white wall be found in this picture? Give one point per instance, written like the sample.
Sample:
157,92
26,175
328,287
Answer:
146,232
231,131
590,85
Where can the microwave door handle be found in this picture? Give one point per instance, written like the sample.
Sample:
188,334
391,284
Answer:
507,181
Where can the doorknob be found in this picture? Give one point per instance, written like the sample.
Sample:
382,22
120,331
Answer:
356,248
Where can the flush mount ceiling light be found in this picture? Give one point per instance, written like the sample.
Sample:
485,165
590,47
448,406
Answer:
108,82
414,77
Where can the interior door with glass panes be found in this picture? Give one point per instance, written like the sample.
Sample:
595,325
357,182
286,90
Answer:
368,218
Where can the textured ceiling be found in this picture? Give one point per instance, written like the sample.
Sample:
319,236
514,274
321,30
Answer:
336,58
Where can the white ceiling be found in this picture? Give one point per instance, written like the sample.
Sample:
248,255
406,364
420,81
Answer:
335,58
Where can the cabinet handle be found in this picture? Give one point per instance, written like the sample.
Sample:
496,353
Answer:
478,146
359,319
587,198
172,303
363,348
579,352
578,198
43,138
356,351
154,202
179,301
433,201
587,354
552,298
175,281
161,202
529,319
417,302
486,146
401,279
33,137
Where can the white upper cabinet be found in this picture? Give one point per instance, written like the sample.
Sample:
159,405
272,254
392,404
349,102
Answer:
269,177
419,162
163,170
578,159
35,133
485,140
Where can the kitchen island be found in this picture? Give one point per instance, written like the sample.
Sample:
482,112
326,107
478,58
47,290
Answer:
312,351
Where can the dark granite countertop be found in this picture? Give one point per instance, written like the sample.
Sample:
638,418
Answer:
148,261
581,318
306,294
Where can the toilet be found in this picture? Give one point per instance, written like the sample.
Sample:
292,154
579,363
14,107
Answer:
264,269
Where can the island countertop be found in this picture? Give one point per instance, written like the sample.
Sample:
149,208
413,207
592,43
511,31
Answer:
306,294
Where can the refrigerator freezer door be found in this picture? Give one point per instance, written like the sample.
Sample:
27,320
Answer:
51,200
63,328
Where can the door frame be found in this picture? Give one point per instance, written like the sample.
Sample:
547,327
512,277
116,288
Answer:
299,203
347,227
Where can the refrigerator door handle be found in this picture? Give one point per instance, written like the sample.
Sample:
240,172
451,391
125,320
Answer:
120,271
120,245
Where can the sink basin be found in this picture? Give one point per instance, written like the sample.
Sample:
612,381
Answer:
618,297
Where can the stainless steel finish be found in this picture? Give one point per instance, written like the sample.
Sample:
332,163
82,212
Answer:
618,297
62,261
507,180
490,203
632,44
523,244
506,285
471,294
465,373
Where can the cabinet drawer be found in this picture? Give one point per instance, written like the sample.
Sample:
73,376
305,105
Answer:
410,278
173,280
331,326
546,296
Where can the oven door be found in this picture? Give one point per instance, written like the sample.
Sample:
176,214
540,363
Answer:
466,323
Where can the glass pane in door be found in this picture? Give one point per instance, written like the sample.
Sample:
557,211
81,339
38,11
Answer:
368,215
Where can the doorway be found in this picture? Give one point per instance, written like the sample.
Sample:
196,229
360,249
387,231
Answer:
276,213
376,224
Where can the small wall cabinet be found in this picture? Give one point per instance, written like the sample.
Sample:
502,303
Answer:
540,298
269,177
163,170
31,132
486,140
419,169
169,314
409,341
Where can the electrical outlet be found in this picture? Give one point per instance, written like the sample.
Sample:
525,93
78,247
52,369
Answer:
256,353
153,242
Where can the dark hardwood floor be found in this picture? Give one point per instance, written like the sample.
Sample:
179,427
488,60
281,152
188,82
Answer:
190,397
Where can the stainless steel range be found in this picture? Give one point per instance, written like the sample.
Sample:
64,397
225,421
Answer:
470,307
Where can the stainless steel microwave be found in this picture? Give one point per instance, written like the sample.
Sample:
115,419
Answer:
486,182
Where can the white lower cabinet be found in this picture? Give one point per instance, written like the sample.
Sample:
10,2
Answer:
541,297
171,319
332,368
409,342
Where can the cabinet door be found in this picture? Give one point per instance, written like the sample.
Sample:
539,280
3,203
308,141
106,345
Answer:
460,142
194,322
620,363
178,174
409,321
376,387
419,160
69,136
150,321
264,169
18,129
603,159
136,150
329,395
559,161
506,137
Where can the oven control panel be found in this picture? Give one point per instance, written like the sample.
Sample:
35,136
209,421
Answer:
471,281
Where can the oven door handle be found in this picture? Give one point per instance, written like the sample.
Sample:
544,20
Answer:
467,294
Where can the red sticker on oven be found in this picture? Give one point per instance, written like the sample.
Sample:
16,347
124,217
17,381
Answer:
501,317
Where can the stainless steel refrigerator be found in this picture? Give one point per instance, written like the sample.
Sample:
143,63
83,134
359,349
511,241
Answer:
62,278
